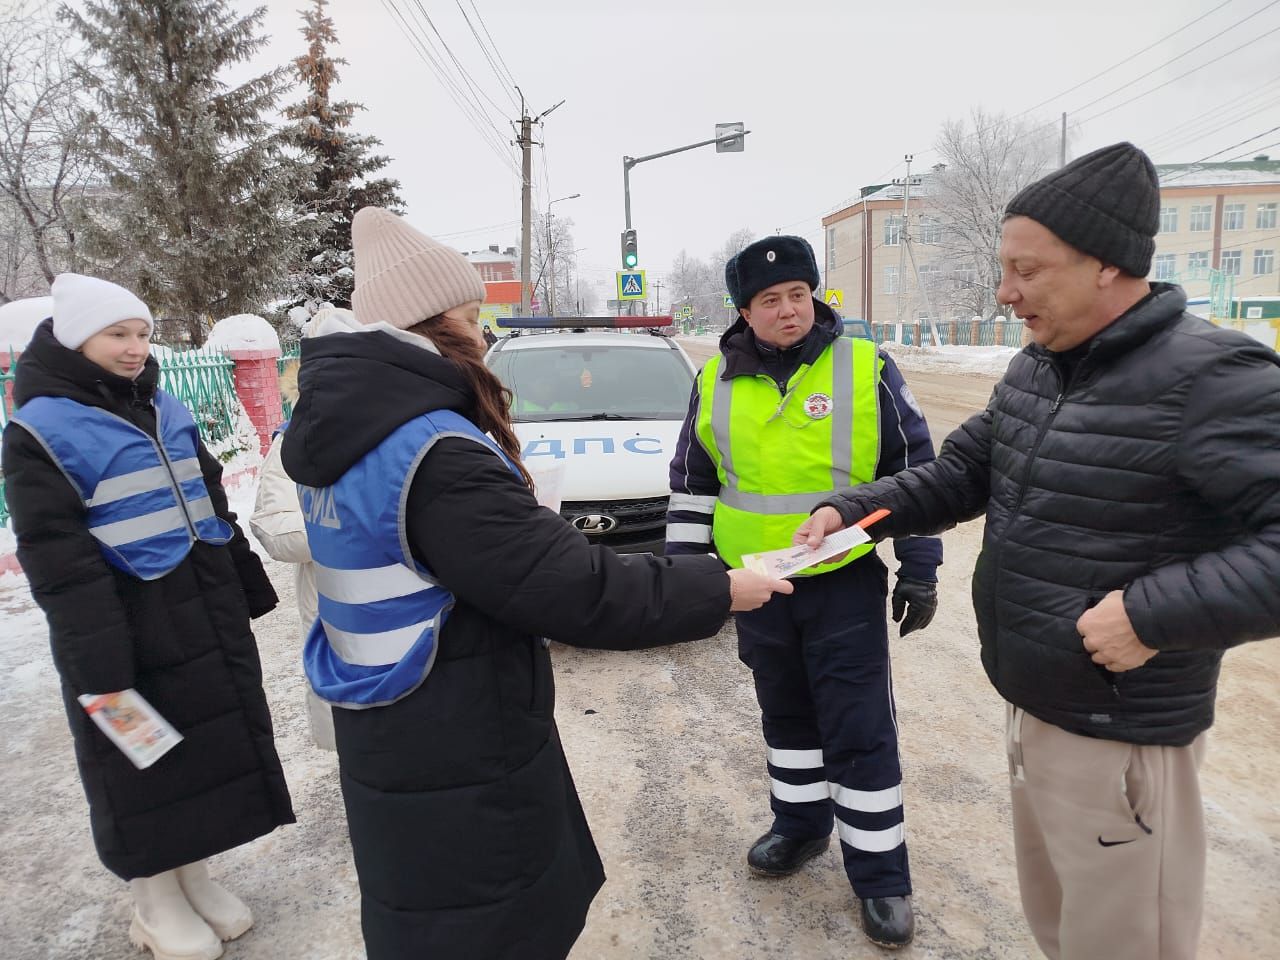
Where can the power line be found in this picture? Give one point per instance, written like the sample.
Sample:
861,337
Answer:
1188,172
477,118
465,74
1181,76
1180,56
496,51
502,82
1128,59
1178,135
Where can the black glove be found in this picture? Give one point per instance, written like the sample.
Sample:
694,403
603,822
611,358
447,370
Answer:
918,599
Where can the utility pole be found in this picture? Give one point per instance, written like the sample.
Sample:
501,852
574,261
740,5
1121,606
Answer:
526,195
1062,144
657,286
902,244
551,253
526,202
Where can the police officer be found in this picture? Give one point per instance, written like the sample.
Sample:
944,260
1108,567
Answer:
787,412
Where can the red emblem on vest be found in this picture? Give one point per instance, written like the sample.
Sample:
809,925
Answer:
817,406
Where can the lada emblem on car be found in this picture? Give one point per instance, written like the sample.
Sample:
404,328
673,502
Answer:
593,524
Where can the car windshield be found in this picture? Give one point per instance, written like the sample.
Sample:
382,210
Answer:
581,382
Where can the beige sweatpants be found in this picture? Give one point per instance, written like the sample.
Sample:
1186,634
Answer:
1110,843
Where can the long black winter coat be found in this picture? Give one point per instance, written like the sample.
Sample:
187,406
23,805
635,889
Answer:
468,836
183,641
1153,468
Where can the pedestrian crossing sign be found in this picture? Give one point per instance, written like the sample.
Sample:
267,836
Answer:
834,298
631,285
728,301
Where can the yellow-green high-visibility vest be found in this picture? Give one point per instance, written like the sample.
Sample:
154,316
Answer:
779,456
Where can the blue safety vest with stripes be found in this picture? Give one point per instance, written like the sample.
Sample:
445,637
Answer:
380,610
145,499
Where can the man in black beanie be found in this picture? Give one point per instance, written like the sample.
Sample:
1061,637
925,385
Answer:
785,415
1129,468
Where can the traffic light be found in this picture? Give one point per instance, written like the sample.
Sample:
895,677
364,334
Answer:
630,257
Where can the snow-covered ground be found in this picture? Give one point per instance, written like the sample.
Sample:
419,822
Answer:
666,752
988,361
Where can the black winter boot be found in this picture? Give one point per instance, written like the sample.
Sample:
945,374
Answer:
774,855
888,921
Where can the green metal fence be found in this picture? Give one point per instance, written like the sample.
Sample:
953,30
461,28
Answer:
965,333
204,382
291,354
202,379
6,408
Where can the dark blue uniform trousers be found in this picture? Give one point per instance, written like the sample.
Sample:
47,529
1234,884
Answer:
820,658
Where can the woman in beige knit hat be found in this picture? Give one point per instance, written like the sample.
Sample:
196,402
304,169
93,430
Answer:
438,577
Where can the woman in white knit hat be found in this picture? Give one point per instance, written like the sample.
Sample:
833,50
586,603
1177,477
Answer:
148,585
438,575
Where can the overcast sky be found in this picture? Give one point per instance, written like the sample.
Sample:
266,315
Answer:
835,92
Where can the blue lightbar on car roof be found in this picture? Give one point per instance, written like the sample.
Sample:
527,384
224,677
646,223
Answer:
578,323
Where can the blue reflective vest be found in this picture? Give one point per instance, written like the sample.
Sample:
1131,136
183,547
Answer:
380,611
145,500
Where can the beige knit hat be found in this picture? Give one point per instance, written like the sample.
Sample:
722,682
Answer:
403,276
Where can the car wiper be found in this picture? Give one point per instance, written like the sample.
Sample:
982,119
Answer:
600,416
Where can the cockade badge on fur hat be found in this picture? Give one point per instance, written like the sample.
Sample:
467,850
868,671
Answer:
769,261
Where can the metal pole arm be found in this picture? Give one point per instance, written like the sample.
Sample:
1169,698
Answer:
630,162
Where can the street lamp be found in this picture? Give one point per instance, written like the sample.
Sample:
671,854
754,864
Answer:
551,253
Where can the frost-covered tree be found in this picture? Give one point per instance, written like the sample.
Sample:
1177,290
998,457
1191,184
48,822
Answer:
42,160
986,160
201,220
342,167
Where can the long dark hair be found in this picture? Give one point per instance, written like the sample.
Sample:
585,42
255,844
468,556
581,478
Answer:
492,412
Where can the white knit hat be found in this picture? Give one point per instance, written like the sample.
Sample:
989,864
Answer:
83,306
403,276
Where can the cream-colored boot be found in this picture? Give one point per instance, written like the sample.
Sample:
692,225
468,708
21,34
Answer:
222,910
164,922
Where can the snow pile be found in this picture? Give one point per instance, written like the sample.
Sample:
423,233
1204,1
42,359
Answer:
19,319
985,361
8,543
244,331
240,450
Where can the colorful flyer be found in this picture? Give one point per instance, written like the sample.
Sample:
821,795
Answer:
132,724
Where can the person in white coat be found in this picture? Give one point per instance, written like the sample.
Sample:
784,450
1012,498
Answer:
278,525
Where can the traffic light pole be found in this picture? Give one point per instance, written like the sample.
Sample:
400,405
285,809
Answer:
629,162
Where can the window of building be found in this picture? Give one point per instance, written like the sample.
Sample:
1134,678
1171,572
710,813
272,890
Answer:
965,276
1264,261
892,231
1165,266
1168,219
930,230
1201,217
890,279
1230,262
1267,216
1233,216
831,248
1198,261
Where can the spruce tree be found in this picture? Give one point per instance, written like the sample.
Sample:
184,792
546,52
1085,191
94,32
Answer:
342,163
198,214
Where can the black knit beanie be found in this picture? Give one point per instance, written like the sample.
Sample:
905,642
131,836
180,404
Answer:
769,261
1105,204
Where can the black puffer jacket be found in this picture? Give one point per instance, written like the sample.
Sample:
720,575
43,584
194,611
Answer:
1155,470
468,836
183,641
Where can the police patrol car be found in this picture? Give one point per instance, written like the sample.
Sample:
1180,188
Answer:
604,397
